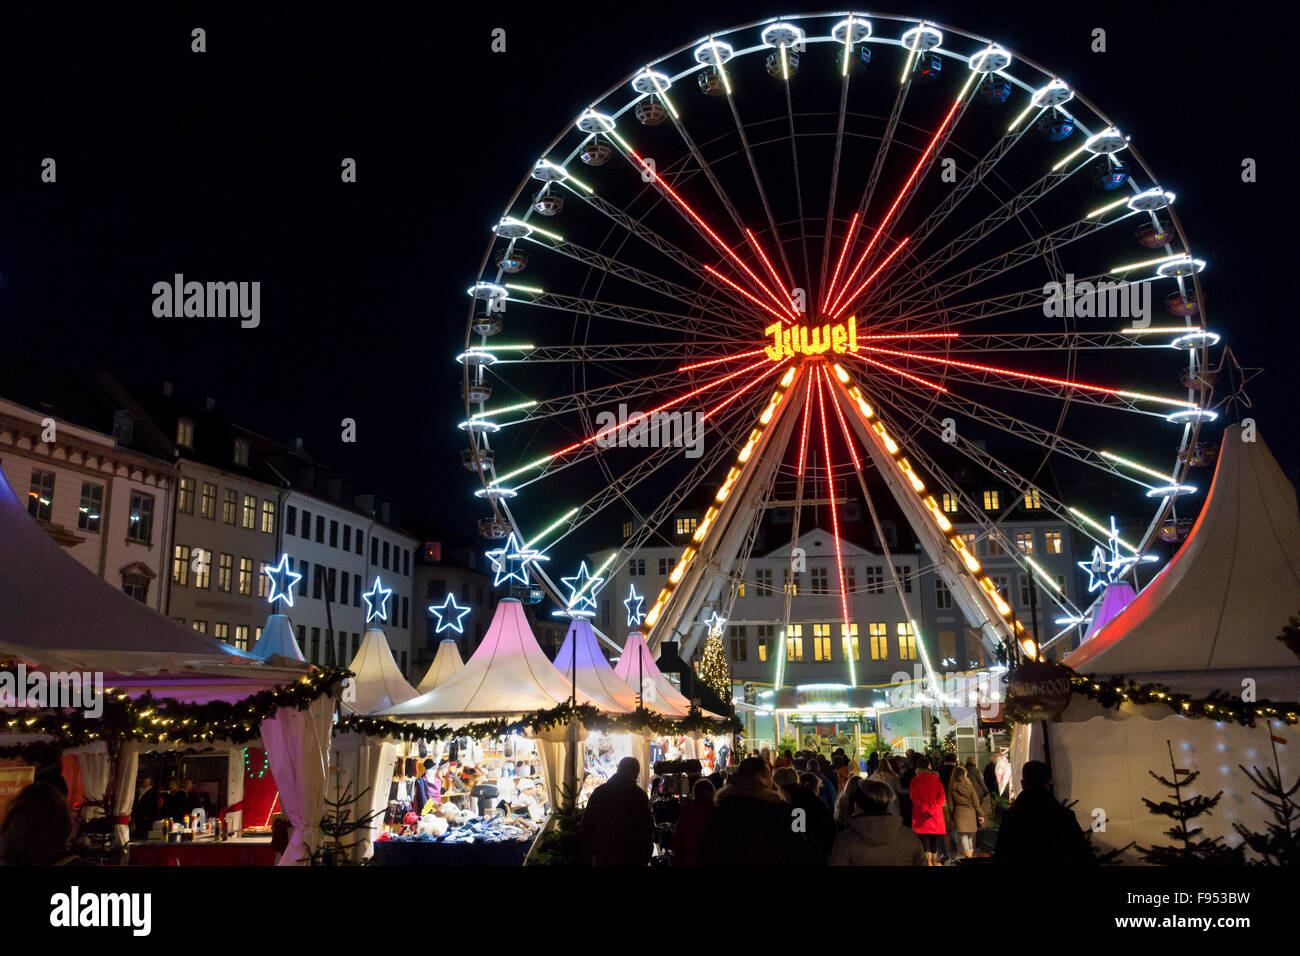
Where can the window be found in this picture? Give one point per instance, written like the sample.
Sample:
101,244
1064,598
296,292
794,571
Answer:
317,582
141,526
315,645
1052,542
1000,582
344,587
228,506
878,632
181,565
241,452
849,642
91,507
950,503
263,579
246,576
906,641
201,562
478,595
790,581
320,529
1026,582
386,552
306,524
406,611
356,591
40,499
627,530
737,630
942,596
184,433
360,541
268,516
740,589
903,576
137,589
739,649
225,565
991,501
250,512
948,646
665,565
875,578
221,631
1033,499
347,537
374,550
636,567
818,584
995,546
763,580
794,643
821,642
241,636
850,581
208,501
290,520
201,626
1025,542
686,525
185,496
304,568
334,533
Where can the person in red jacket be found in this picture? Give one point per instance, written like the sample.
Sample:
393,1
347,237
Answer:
928,799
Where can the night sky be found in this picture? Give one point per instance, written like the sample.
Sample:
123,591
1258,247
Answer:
225,166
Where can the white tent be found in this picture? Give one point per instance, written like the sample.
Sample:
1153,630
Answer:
446,664
378,682
636,666
1206,622
594,677
507,675
57,613
277,640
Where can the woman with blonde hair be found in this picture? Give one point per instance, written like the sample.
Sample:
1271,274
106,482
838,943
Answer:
844,802
963,809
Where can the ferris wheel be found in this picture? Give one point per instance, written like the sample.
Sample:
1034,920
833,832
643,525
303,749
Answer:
840,244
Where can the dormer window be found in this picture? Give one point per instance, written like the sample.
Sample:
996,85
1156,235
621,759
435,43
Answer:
241,452
184,433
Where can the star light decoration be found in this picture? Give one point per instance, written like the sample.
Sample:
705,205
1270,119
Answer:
634,604
582,592
283,578
510,562
377,601
450,615
715,624
1103,570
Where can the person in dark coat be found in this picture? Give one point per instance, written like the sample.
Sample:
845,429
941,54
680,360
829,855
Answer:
36,827
1036,830
875,836
617,826
991,778
148,807
802,792
690,825
753,824
48,763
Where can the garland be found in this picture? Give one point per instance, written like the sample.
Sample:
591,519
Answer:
1216,706
166,720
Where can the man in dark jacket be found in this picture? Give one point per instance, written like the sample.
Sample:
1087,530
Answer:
753,824
1036,830
617,826
802,791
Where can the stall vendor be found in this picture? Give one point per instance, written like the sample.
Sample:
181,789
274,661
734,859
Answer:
526,802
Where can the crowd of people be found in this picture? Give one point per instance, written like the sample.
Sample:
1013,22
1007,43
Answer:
175,801
805,809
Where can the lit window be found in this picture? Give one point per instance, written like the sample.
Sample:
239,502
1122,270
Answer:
791,582
821,642
995,546
184,433
201,626
906,641
794,643
241,452
225,565
948,645
949,503
1033,499
686,525
221,631
140,527
91,508
228,506
245,576
849,642
185,496
991,501
1052,540
627,530
1025,542
201,562
40,499
181,565
241,636
268,516
878,632
208,501
250,512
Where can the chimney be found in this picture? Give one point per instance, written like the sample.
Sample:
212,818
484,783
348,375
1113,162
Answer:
167,389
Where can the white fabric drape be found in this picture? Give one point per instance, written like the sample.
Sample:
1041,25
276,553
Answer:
128,762
556,747
641,751
297,745
94,778
235,787
363,766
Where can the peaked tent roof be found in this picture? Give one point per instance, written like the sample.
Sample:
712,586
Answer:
446,664
1236,580
277,640
594,677
506,675
378,683
669,699
58,614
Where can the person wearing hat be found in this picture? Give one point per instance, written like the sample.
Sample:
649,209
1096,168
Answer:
428,787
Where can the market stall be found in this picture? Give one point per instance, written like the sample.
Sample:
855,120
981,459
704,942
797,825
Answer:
446,664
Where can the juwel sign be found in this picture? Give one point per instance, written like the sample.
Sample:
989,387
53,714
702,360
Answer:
787,340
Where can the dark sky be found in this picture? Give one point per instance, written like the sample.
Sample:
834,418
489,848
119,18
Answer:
225,165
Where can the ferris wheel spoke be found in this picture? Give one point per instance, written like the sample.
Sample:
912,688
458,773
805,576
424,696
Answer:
841,116
798,192
614,312
964,313
965,343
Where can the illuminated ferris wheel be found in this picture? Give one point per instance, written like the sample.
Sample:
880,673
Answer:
841,245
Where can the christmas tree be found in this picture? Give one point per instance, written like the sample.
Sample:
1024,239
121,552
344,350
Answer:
1187,850
342,833
1279,845
713,667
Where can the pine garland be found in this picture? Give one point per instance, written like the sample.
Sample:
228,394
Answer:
1217,705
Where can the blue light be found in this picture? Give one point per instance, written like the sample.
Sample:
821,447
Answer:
634,604
512,553
283,578
450,615
377,609
582,592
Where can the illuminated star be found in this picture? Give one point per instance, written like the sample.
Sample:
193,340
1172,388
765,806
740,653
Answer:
283,578
634,604
512,554
377,602
449,614
1103,570
715,624
582,592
